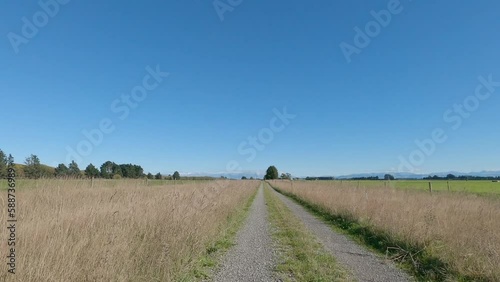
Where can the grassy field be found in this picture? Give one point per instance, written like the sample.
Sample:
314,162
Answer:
477,187
471,186
439,236
120,230
103,183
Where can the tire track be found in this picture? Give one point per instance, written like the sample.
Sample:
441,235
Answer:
363,264
252,258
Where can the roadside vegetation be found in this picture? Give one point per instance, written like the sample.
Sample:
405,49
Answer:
211,257
129,232
438,236
302,258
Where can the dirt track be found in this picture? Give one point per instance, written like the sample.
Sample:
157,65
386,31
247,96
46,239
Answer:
253,259
363,264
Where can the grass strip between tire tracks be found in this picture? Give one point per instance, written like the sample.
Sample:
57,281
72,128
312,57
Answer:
302,258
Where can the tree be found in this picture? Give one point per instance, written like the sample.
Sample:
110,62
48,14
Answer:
131,171
107,169
117,170
10,161
286,176
450,176
61,170
388,177
176,175
33,167
3,165
127,170
150,176
91,171
74,170
243,177
158,176
271,173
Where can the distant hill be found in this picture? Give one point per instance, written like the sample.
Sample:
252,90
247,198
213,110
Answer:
47,170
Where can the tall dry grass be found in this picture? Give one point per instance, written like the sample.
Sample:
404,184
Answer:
462,230
68,231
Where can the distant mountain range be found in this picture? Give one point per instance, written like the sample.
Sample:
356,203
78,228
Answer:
420,176
235,175
260,175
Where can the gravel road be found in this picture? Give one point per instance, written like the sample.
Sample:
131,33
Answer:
364,265
252,258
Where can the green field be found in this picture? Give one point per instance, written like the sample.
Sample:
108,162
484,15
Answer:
471,186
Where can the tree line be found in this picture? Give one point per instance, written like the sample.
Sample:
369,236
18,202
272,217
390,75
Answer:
5,163
32,168
461,177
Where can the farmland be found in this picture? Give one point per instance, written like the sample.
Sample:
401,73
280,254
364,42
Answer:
440,235
485,187
166,230
120,230
24,183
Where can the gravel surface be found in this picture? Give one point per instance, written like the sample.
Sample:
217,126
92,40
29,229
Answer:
252,258
363,264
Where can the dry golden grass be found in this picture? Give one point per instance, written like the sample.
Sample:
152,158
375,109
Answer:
68,231
460,229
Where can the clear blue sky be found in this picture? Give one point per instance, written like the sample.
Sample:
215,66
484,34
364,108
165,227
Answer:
226,77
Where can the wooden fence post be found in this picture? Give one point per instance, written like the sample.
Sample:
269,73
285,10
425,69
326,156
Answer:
448,182
430,187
